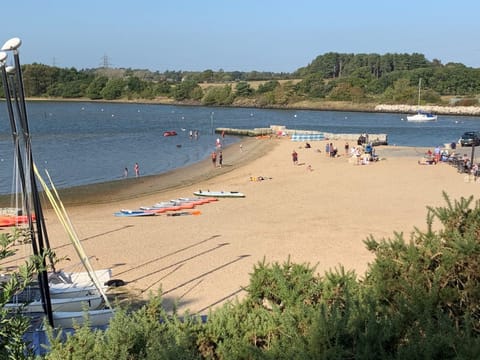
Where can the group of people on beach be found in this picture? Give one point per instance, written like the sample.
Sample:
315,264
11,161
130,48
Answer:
136,169
360,155
216,157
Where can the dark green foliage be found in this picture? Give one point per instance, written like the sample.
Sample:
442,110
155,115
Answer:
218,95
313,86
243,89
94,90
114,88
162,88
268,86
148,333
185,90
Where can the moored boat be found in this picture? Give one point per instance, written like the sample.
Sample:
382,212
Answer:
421,116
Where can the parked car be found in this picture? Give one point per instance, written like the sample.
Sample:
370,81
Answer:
470,138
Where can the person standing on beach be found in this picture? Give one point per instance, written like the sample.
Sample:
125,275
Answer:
125,173
137,170
294,157
214,159
220,159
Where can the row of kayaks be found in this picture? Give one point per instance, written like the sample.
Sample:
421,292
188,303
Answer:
184,206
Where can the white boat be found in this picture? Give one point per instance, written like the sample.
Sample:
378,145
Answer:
421,116
87,303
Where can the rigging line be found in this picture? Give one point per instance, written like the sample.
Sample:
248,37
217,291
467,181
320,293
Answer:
88,265
66,223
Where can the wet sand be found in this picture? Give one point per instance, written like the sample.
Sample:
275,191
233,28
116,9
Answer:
319,216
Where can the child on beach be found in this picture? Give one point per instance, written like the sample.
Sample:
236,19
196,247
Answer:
214,159
295,157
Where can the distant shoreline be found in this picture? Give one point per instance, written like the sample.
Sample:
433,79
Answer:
303,105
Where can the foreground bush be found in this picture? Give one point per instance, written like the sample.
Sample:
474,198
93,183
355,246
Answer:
420,298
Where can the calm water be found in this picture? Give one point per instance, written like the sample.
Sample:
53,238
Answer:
84,143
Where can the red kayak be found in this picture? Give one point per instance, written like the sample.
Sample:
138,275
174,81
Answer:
170,133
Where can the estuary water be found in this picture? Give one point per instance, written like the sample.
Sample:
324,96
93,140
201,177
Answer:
82,143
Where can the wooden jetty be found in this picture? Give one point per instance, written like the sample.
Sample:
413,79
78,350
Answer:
304,135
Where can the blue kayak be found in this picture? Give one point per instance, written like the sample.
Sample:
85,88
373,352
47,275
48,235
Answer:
129,213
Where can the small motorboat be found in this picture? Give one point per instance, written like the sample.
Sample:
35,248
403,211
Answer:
170,133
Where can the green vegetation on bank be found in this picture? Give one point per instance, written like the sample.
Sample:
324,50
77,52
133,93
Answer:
419,299
359,79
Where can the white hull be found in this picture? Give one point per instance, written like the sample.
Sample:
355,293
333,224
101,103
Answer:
62,304
61,291
57,291
79,278
95,318
422,117
68,319
235,194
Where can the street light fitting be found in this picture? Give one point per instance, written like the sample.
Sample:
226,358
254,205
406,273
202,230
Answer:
12,44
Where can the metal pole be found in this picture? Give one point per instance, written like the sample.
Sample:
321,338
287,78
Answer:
211,122
41,237
472,159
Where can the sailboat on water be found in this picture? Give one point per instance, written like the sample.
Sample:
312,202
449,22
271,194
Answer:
421,116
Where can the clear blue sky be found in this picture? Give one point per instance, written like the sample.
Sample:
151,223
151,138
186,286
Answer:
243,35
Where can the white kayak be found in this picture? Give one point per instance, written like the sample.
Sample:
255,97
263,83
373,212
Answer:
233,194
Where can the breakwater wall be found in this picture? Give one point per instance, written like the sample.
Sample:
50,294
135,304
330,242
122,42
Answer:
301,135
447,110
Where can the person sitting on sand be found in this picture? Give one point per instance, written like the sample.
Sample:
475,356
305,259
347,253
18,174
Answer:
427,161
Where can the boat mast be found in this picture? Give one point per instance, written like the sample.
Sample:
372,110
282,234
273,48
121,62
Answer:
37,233
419,89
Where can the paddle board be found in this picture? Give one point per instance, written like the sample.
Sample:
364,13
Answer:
234,194
125,212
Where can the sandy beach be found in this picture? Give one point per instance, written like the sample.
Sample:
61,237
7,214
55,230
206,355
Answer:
317,212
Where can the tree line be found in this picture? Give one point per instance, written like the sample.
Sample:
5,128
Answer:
357,78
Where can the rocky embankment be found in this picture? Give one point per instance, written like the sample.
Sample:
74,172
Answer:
448,110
